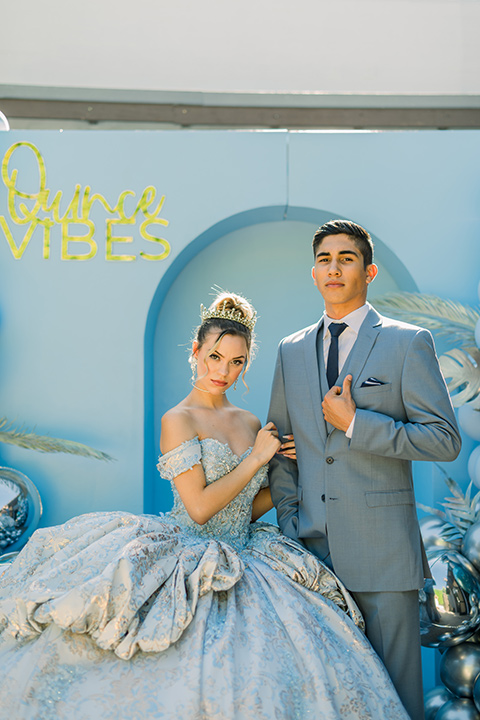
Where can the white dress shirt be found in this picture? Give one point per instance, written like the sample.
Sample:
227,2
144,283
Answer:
346,340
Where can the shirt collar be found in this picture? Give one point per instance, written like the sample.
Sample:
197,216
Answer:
354,319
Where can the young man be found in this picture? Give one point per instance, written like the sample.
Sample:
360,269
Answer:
363,396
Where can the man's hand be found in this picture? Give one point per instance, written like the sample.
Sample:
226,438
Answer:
287,448
338,405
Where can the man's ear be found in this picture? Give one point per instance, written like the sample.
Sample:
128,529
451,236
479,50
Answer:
372,271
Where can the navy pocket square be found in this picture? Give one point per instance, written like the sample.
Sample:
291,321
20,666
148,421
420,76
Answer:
372,382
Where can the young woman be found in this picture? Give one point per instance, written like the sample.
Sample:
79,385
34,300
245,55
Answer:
199,613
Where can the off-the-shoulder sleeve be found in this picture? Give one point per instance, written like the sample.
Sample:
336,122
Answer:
180,459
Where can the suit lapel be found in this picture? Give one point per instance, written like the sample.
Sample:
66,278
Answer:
364,343
313,378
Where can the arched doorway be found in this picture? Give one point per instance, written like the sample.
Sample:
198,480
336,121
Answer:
270,263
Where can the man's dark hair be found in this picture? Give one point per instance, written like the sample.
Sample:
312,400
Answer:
357,233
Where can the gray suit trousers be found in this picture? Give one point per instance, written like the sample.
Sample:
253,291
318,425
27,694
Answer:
392,625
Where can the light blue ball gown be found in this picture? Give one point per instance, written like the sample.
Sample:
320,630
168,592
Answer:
125,617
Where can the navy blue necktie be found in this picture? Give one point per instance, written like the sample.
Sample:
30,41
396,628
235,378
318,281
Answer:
336,330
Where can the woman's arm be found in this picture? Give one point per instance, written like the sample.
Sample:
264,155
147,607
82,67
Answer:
203,501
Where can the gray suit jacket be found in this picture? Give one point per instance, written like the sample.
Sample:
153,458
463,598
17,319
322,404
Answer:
373,532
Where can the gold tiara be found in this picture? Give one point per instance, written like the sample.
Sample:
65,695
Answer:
224,314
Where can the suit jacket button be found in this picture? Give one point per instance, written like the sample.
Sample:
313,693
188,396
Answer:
329,460
323,498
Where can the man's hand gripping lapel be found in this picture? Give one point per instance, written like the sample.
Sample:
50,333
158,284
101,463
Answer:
338,405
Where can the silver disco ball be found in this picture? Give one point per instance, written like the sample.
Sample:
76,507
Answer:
459,668
434,700
20,509
471,545
431,528
458,709
449,603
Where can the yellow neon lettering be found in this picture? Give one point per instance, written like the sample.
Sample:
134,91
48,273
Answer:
71,213
88,202
110,239
47,224
147,198
25,207
17,252
11,182
145,234
88,238
120,206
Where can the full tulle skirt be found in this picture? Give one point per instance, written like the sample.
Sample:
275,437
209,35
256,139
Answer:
116,616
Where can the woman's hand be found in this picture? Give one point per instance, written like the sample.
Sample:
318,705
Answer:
203,500
287,448
266,443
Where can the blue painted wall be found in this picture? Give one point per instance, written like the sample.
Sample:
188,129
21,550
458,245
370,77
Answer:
95,350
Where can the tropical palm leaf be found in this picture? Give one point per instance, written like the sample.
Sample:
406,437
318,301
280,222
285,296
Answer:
452,535
462,370
460,510
432,511
445,317
45,443
454,487
449,531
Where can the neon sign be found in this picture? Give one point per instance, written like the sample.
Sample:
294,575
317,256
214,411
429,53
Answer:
78,230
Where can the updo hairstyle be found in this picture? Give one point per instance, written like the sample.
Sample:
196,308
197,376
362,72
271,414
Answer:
226,301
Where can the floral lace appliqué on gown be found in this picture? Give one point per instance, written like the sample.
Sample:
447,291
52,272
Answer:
118,616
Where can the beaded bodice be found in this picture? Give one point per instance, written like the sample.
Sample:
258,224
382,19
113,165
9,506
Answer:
217,459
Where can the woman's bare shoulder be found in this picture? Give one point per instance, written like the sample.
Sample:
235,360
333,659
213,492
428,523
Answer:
249,418
177,427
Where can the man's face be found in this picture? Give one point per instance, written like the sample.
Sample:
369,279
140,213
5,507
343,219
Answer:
340,275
